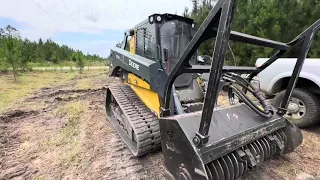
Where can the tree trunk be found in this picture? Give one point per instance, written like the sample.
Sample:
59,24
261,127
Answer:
14,71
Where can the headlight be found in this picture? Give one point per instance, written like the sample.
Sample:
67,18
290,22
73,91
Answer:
159,18
151,19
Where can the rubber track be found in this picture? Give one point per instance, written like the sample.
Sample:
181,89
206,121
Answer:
144,123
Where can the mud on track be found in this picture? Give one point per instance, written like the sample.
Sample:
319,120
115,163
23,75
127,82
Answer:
60,132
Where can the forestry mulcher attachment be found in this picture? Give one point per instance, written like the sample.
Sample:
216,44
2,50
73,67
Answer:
161,103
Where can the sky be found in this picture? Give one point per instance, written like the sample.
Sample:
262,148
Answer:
93,26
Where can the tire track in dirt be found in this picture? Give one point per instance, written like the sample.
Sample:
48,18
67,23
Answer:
111,158
12,164
7,117
104,155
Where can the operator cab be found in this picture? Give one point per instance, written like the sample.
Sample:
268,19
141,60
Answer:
175,33
163,38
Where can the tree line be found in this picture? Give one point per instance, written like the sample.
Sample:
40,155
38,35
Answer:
279,20
17,53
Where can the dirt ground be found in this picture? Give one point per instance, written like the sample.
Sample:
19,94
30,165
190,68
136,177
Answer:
61,132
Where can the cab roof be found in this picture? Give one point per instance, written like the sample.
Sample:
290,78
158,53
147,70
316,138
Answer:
168,17
165,17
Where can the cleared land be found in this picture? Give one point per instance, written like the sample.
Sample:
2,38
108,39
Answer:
53,126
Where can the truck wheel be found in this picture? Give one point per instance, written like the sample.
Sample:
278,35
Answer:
303,107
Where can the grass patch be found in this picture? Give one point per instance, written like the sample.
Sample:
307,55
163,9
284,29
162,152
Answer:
58,149
11,92
84,84
65,145
37,177
87,79
72,110
65,64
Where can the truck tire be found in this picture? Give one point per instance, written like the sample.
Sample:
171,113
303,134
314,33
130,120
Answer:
303,109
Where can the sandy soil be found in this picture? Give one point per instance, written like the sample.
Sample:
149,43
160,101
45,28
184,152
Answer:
68,137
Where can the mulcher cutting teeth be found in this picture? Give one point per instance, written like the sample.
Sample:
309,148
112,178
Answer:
236,145
234,164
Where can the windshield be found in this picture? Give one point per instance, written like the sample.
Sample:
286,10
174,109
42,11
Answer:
175,37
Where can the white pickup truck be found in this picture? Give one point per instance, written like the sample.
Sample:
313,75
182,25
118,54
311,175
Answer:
304,106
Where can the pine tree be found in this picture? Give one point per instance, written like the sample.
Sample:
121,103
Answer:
11,45
277,20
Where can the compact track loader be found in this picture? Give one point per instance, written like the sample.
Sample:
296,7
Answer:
160,102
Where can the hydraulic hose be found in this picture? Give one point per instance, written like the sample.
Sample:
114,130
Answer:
264,113
267,111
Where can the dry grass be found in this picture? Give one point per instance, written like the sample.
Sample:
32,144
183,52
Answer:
14,92
84,83
38,178
58,147
87,79
65,144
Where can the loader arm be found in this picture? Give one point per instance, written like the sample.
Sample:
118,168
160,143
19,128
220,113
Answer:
209,29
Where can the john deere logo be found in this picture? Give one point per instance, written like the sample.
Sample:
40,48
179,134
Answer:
134,65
